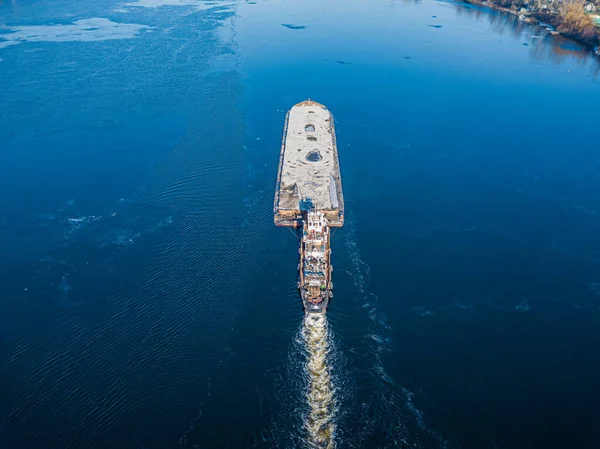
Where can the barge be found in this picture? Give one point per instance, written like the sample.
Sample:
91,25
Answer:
308,196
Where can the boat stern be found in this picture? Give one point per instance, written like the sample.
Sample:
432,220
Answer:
312,307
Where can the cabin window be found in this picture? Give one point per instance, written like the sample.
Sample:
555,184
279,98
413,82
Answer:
309,128
312,138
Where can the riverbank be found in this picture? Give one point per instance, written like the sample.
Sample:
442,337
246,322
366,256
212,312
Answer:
589,37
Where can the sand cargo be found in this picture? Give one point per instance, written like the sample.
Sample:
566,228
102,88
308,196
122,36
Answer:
309,169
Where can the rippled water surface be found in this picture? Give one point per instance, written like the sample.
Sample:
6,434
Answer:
148,301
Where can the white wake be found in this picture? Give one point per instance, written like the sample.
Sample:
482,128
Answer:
319,423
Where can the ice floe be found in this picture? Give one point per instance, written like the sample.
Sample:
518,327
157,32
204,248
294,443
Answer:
198,5
84,30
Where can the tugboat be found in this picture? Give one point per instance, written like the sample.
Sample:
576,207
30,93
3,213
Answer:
315,263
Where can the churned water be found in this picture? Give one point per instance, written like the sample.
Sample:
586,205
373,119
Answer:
320,424
148,301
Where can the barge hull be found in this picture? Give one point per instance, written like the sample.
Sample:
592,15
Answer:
309,172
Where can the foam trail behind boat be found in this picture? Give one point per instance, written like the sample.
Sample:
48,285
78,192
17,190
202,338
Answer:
319,424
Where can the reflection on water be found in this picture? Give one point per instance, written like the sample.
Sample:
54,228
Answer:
319,424
542,43
558,48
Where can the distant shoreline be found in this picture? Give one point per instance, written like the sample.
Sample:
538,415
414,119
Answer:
550,21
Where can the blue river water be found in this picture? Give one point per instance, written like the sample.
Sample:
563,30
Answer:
148,301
